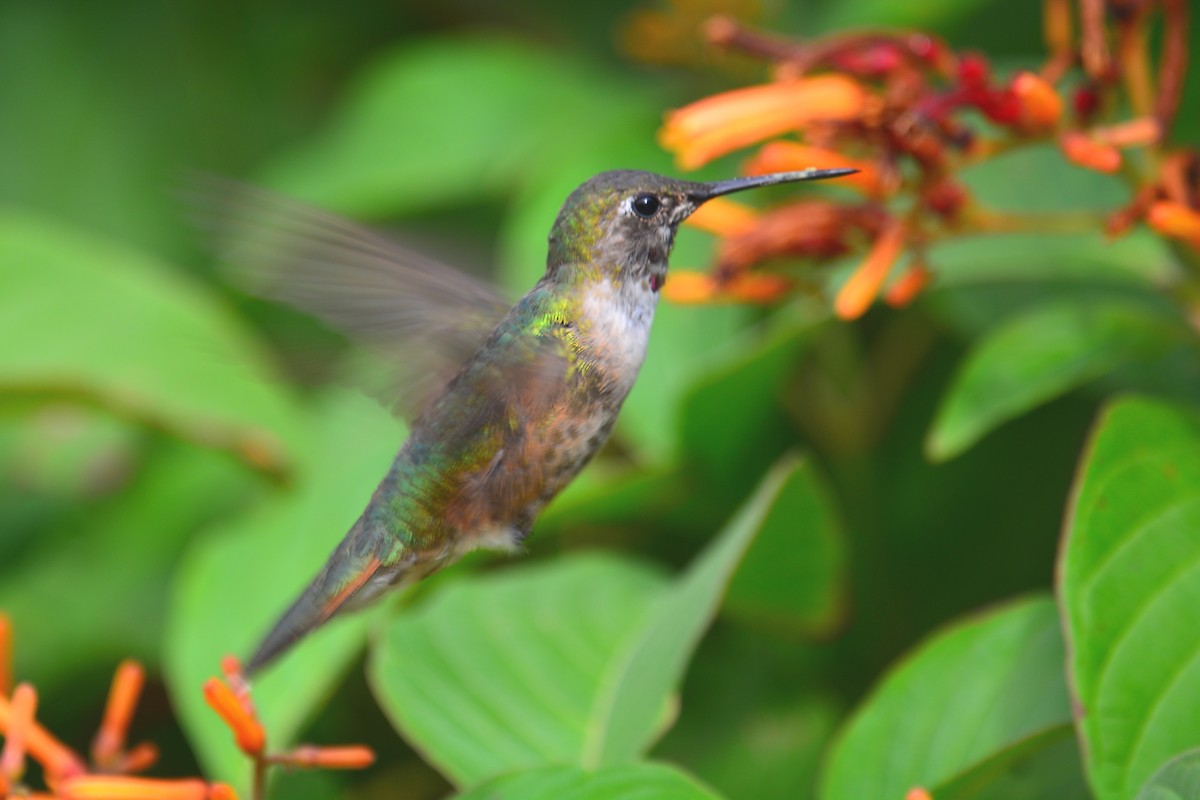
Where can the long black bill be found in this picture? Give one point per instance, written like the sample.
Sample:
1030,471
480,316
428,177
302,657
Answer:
707,191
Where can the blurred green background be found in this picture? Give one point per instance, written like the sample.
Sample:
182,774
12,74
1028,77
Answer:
173,465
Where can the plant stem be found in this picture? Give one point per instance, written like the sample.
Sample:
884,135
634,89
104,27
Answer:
259,789
1135,64
977,219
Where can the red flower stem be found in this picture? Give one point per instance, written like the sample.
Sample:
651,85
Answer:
1135,64
1058,31
258,790
727,33
802,56
1173,67
1094,48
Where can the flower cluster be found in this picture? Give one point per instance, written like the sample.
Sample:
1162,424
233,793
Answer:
230,698
910,113
111,772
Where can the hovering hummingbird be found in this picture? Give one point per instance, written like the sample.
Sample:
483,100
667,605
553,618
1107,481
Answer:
507,404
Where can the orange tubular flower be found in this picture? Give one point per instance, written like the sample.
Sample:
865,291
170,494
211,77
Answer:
788,156
1081,149
1041,106
56,759
1174,219
1136,132
808,228
119,787
140,757
12,758
725,122
760,288
908,286
724,217
221,791
690,287
856,296
247,731
231,668
122,699
347,757
917,793
5,655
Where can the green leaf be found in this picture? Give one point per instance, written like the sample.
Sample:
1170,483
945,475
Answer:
132,337
236,582
652,669
571,662
645,781
794,574
1038,356
501,672
965,694
1129,589
1045,764
1178,779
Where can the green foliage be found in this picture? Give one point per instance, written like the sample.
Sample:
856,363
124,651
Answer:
647,780
1039,355
1178,779
763,582
968,694
1129,584
584,656
553,638
1045,764
137,318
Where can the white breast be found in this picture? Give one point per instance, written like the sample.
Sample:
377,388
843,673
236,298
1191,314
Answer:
616,328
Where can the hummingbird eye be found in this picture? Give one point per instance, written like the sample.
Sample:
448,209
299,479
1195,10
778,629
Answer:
646,205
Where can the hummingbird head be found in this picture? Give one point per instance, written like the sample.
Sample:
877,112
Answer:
622,224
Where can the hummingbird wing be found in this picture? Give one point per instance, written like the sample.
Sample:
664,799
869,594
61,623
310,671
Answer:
423,318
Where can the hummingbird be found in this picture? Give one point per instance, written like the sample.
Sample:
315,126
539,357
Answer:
507,404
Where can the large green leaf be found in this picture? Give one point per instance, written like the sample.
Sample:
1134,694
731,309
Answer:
1178,779
89,321
500,673
649,672
645,781
1038,356
964,695
234,584
1129,590
572,662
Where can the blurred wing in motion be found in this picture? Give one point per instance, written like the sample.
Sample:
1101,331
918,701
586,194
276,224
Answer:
425,319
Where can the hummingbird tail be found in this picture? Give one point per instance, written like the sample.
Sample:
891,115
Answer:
339,583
